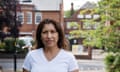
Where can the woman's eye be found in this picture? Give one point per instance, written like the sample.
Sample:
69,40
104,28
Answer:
44,32
53,31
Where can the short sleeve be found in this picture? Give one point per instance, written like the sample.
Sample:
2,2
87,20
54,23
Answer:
27,62
73,65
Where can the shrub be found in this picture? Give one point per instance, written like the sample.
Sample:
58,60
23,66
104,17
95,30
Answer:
112,62
2,45
10,45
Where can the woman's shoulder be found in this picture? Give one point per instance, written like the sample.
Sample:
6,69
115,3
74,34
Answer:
35,51
67,53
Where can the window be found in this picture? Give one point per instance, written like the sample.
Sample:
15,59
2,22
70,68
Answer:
68,25
88,16
72,25
87,25
29,17
95,16
96,25
80,16
27,1
90,25
38,17
75,25
20,17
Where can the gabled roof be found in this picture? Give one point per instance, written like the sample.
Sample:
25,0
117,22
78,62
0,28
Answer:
88,5
49,5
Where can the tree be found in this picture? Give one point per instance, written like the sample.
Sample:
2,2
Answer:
67,14
109,32
109,25
9,13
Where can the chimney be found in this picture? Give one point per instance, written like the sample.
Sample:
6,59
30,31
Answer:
72,9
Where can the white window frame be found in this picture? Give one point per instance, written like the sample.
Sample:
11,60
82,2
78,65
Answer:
86,25
96,25
29,17
95,16
68,25
88,16
75,27
80,16
38,14
21,19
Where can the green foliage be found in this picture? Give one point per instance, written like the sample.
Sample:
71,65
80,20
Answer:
10,45
2,45
109,11
67,14
92,39
112,62
8,12
107,34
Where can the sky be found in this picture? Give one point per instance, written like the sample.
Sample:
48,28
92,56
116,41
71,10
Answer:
77,3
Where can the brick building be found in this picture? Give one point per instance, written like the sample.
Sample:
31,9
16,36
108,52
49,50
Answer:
77,17
33,11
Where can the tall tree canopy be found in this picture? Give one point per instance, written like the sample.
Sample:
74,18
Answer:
107,34
9,8
9,13
109,11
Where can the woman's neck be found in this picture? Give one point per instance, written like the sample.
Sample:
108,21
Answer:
51,53
51,49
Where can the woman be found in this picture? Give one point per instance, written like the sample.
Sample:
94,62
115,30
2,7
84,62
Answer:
51,54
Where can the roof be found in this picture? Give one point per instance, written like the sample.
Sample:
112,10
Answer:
53,5
88,5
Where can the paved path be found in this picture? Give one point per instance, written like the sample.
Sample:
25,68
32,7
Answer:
94,65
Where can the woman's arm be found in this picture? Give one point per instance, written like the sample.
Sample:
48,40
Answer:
24,70
76,70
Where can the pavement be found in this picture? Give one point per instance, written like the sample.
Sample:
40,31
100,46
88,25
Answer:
96,64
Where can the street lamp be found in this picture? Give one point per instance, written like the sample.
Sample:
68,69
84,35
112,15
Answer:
10,8
15,32
15,36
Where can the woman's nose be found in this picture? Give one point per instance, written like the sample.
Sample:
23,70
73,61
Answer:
49,35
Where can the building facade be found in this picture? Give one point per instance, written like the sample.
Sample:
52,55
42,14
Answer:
33,11
77,19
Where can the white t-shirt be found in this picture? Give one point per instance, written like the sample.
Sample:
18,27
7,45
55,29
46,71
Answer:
36,61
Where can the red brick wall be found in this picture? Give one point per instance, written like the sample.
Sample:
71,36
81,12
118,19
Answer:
46,14
52,15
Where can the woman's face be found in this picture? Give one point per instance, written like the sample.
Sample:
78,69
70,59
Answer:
49,35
